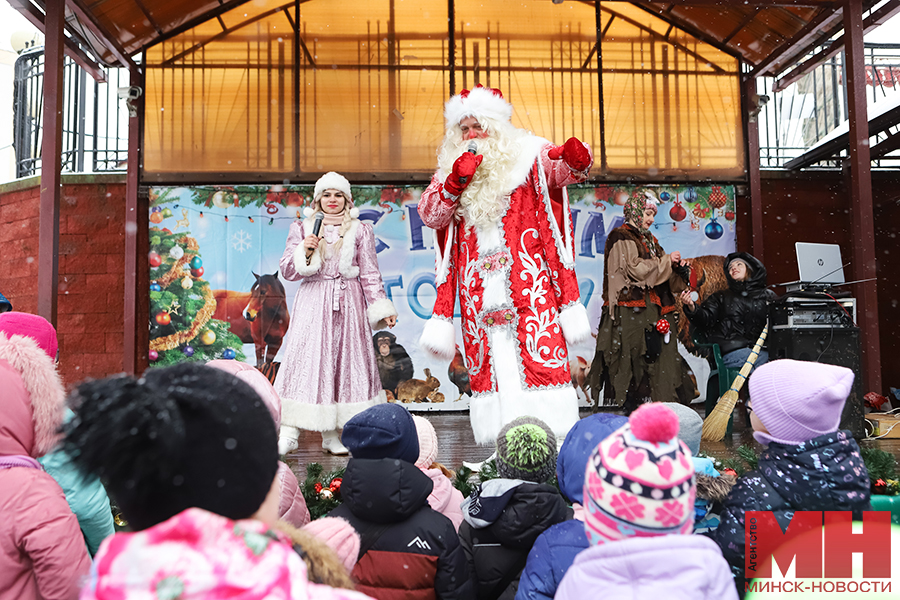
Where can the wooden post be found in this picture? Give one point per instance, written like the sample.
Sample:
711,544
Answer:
860,187
51,152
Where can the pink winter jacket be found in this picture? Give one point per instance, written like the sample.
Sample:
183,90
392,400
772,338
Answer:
291,507
198,555
444,497
42,551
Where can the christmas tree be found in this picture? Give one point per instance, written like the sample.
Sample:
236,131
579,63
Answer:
182,305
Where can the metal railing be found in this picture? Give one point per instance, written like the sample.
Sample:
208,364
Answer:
795,119
95,123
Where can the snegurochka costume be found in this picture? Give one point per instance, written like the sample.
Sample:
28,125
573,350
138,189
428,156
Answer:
329,372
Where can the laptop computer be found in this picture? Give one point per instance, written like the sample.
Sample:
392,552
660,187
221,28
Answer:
819,263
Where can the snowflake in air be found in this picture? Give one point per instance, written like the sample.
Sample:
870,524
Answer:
240,241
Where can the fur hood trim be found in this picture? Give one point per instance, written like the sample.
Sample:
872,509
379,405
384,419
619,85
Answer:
715,489
348,248
45,389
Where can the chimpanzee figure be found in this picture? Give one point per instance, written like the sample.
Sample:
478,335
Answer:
394,364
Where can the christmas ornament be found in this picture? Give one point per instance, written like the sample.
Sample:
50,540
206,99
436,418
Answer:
208,337
326,494
665,196
229,354
153,355
714,231
196,262
621,198
156,218
663,327
318,487
186,283
176,252
729,215
197,272
222,200
729,471
155,240
174,308
690,195
163,318
188,351
335,485
155,209
677,212
717,198
155,287
155,259
698,212
183,222
166,213
119,520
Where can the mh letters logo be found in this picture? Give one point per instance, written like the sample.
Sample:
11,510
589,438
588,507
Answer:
808,534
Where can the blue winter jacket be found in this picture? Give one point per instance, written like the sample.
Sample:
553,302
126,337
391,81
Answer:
86,496
554,550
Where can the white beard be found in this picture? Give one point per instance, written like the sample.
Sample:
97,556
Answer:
486,199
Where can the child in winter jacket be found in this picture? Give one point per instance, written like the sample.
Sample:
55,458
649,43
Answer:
808,463
555,550
444,498
712,486
639,506
407,549
504,517
86,496
291,506
42,551
190,455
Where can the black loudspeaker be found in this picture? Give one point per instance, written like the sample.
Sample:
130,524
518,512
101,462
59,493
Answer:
831,345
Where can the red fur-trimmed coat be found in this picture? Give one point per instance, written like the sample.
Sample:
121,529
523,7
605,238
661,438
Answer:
517,292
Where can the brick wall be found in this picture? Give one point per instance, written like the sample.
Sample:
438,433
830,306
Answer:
91,258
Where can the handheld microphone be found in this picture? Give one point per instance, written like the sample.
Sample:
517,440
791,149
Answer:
317,225
473,148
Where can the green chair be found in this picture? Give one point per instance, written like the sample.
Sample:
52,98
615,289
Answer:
717,366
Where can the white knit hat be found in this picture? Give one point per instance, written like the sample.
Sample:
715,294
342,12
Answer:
333,181
479,102
428,444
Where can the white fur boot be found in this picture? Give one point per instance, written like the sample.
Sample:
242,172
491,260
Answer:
331,442
287,439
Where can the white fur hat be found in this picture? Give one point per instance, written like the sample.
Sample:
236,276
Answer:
479,102
332,181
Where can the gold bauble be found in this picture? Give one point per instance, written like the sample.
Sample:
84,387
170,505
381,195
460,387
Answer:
222,200
208,337
187,283
326,494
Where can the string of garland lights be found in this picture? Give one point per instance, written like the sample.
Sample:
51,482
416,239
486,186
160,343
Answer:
208,213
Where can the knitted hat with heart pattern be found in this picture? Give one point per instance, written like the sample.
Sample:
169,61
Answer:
639,482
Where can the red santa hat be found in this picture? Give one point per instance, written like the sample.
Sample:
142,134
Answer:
478,102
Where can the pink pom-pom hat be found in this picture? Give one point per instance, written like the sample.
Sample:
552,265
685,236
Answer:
639,481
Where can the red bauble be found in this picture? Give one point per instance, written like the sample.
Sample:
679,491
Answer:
198,272
317,487
163,318
717,198
729,215
335,485
156,218
677,212
155,259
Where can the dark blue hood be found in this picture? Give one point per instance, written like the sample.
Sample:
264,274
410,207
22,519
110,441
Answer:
581,440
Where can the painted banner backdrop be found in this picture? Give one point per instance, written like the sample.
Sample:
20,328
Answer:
215,251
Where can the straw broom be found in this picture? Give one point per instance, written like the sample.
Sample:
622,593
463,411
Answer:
716,423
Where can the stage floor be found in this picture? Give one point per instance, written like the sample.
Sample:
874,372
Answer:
456,443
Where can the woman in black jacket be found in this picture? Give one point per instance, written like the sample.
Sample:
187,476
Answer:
734,318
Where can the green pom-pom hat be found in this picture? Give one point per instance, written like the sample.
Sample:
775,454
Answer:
526,450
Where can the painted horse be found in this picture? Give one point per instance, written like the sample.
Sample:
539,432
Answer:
259,317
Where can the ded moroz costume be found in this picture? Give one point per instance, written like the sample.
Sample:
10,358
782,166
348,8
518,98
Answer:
504,239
